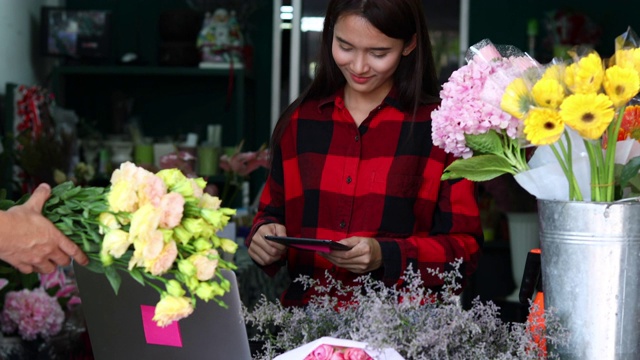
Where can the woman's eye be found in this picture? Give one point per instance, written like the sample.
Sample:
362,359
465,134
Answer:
343,48
379,55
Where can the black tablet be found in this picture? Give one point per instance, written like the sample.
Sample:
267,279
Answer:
307,243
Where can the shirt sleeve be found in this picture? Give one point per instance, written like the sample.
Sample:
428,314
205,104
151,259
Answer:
455,233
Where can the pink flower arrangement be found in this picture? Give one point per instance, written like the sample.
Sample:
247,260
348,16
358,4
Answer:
37,308
31,313
469,106
329,352
244,163
238,166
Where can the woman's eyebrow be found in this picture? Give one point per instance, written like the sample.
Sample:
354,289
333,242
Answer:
373,48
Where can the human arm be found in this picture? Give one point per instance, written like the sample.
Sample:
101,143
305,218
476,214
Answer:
30,242
268,221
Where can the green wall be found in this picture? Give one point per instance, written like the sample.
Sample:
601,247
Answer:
505,21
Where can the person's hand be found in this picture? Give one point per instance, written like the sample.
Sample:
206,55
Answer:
266,252
30,242
364,256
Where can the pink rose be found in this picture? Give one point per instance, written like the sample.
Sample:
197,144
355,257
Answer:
356,354
322,352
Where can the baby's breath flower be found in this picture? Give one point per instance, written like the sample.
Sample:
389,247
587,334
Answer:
416,322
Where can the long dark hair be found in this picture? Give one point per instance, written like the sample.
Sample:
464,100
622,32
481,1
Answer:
415,78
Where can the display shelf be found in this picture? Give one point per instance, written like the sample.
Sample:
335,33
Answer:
75,84
146,71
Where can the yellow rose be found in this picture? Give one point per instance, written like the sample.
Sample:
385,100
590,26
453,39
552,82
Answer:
145,220
172,308
123,197
164,261
107,221
116,242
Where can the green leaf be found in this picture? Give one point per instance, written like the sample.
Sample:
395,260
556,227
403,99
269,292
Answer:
137,276
487,143
61,189
6,204
95,266
478,168
629,171
113,277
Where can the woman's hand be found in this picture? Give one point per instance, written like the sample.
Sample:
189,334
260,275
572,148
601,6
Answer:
30,242
364,256
266,252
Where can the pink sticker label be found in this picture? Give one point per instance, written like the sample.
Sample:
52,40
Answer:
154,334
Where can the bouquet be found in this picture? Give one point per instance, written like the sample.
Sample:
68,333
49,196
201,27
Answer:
571,113
157,228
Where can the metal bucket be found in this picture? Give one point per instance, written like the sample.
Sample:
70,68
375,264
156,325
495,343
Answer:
591,276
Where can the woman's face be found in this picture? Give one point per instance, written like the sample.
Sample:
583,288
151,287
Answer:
367,57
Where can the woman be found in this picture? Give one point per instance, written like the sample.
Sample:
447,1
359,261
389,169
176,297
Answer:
353,160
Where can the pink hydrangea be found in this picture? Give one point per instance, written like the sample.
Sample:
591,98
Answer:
464,111
31,313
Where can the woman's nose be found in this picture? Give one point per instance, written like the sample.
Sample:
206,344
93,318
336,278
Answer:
359,64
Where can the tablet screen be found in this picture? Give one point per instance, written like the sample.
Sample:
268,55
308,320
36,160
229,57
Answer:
308,243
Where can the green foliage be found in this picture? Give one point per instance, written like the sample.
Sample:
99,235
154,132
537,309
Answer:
487,143
478,168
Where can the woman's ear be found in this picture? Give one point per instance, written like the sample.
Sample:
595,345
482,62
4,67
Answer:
408,48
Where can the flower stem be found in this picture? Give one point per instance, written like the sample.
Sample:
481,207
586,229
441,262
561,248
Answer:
612,139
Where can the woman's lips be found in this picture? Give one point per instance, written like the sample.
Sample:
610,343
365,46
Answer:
359,79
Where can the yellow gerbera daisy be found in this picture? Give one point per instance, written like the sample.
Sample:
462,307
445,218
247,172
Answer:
555,72
516,99
543,126
548,93
588,114
621,84
585,76
628,58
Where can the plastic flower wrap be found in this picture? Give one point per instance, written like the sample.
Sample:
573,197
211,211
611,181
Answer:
157,228
571,112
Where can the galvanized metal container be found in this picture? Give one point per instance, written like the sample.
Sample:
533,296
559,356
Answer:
591,276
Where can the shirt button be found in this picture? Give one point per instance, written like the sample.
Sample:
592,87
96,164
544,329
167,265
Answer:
348,179
342,224
357,138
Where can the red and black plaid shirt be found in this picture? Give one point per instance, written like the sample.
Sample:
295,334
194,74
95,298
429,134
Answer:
331,179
